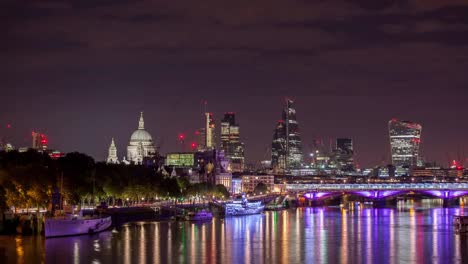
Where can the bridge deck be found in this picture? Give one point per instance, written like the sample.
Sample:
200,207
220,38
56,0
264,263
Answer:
384,186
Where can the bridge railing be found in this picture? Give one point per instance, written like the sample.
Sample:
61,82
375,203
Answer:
376,186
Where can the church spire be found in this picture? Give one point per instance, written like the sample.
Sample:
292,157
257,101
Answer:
141,124
112,143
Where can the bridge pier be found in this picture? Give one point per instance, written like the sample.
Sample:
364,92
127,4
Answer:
449,202
382,203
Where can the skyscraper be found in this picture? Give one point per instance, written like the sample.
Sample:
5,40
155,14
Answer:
230,142
343,154
405,137
278,147
200,138
39,141
210,135
286,149
345,144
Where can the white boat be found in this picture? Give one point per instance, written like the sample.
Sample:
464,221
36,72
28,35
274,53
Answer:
75,225
243,207
199,216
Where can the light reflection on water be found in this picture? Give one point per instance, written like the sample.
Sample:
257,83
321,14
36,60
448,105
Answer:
409,233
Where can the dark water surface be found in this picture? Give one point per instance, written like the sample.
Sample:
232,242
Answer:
414,232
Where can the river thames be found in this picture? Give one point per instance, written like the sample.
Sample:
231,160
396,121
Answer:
413,232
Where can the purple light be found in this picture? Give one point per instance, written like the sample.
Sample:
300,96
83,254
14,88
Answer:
316,195
446,194
378,194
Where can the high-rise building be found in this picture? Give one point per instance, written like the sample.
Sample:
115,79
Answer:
112,157
210,135
345,144
343,154
278,147
39,141
230,142
405,137
141,144
286,147
200,139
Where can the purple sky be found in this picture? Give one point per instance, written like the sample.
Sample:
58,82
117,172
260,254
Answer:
82,70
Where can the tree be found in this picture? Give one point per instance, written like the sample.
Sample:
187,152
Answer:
261,188
221,191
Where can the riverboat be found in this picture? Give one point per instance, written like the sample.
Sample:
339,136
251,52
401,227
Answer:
72,225
243,207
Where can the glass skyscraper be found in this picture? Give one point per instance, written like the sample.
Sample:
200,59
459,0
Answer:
286,149
405,137
230,142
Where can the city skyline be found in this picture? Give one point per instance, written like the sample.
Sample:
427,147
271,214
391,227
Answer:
121,142
78,71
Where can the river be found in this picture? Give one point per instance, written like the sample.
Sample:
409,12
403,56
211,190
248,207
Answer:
413,232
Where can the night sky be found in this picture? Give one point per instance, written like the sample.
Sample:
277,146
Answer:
82,70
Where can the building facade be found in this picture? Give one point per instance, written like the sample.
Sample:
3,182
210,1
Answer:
112,156
210,134
224,179
230,142
249,182
343,155
141,144
39,141
405,137
286,149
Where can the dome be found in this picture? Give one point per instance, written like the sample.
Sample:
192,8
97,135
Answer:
141,135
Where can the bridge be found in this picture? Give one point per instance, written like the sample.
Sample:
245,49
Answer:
379,192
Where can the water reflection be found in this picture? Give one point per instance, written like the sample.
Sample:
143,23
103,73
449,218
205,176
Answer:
409,233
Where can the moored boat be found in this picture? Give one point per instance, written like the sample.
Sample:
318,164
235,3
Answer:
199,216
243,207
75,225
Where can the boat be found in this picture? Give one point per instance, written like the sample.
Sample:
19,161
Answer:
461,223
243,207
72,225
199,216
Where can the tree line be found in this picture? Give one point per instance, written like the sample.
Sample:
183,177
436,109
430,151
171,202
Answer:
30,179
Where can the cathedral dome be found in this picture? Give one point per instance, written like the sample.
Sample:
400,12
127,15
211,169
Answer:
141,144
141,135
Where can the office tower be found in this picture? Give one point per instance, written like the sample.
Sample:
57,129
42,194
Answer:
405,137
230,142
200,139
343,154
210,135
39,141
286,147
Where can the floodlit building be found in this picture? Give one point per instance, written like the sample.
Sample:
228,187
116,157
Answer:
181,159
405,137
249,182
112,157
236,186
286,149
141,144
224,179
230,142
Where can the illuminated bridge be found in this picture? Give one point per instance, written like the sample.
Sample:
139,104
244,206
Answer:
379,192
